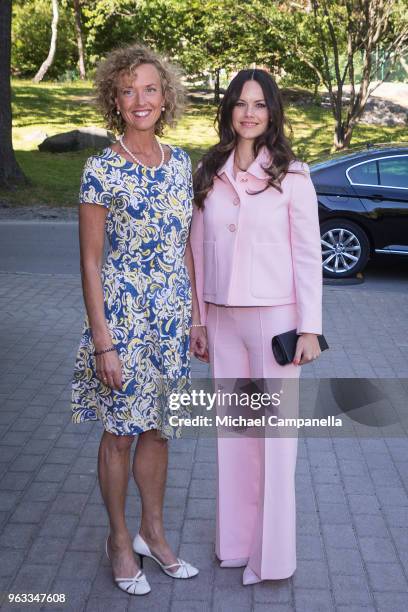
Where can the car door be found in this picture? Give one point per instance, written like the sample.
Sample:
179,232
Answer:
382,186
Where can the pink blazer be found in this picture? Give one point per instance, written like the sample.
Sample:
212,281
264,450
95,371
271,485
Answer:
260,250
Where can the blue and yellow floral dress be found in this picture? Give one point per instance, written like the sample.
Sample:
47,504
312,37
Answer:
147,293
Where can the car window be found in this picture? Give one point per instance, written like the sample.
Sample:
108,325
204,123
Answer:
394,172
364,174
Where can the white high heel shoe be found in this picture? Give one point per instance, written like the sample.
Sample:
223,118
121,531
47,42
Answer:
138,585
249,577
185,570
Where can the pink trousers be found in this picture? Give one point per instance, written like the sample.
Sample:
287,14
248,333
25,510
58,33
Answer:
256,513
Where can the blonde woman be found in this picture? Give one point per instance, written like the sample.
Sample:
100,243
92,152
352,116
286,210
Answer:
134,349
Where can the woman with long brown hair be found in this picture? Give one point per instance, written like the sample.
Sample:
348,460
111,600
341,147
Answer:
256,246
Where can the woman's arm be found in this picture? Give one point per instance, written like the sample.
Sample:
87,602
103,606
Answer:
198,334
306,253
91,241
189,261
195,266
196,242
307,265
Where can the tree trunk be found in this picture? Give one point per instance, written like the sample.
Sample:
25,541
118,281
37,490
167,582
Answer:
342,136
10,172
217,87
338,136
80,39
344,127
53,45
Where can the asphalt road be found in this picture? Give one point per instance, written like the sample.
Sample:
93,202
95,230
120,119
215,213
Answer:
46,247
39,247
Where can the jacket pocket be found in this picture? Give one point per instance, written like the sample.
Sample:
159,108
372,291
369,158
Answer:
271,270
210,268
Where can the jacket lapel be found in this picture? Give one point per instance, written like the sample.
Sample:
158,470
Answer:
256,169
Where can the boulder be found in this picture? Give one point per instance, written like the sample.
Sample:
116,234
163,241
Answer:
76,140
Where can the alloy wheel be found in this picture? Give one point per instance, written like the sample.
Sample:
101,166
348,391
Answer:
341,250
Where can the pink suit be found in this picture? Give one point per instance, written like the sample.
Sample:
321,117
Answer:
258,273
260,250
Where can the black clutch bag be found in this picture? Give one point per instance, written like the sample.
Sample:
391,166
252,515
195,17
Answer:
284,346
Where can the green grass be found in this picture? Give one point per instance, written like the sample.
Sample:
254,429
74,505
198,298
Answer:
51,108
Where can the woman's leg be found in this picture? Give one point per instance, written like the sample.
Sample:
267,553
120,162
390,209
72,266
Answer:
237,457
150,474
113,471
273,551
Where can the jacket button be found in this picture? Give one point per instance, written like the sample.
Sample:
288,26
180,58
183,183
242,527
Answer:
236,201
232,227
244,180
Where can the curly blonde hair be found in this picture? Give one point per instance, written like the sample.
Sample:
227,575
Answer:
125,60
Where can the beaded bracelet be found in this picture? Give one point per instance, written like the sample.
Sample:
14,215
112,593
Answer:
197,325
108,350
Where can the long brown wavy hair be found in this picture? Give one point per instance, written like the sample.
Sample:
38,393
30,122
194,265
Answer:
274,138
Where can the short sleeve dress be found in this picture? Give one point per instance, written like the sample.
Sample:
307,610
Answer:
147,294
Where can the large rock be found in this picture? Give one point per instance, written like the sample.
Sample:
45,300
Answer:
76,140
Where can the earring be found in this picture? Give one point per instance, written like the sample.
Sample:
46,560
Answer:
163,108
117,111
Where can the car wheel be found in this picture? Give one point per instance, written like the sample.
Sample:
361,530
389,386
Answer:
345,248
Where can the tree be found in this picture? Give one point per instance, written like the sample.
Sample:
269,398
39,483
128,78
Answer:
203,36
53,44
10,172
80,38
157,23
31,38
217,39
369,26
330,38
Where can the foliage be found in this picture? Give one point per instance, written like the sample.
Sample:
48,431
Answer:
110,23
31,38
199,34
325,39
203,36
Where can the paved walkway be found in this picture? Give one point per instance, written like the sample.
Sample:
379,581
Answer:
352,500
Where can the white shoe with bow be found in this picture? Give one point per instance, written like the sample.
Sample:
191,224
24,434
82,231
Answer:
138,585
185,570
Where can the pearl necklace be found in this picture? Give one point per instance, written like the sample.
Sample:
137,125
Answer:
124,147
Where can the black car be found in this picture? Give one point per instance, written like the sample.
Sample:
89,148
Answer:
363,207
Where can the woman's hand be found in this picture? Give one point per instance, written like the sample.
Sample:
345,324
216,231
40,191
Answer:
109,370
307,349
199,343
